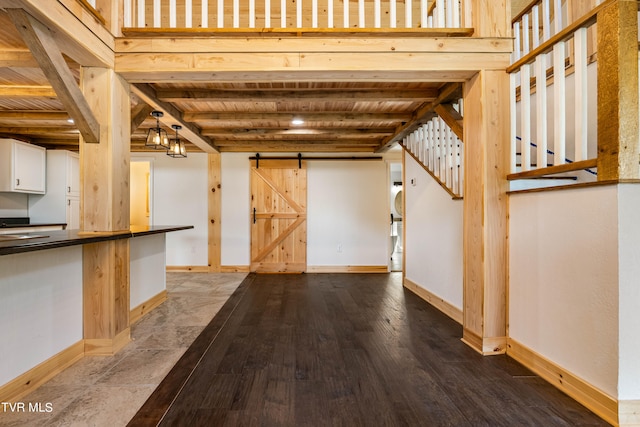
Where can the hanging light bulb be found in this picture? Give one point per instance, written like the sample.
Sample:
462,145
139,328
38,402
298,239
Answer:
157,137
176,146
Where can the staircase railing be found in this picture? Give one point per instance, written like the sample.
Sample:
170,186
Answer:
542,58
437,148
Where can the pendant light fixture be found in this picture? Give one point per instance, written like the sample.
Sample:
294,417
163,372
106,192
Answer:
176,146
157,137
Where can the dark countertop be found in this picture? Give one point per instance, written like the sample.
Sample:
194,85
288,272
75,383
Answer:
5,226
40,240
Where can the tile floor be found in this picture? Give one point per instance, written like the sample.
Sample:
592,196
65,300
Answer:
108,391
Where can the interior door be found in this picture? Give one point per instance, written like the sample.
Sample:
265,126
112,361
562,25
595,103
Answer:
278,216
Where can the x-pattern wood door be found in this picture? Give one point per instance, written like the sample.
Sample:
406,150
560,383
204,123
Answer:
279,216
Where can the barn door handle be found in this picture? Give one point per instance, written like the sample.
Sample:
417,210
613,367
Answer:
254,215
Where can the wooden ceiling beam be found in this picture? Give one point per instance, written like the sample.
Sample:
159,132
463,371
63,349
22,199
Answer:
33,115
139,114
307,116
26,91
261,95
172,115
298,133
35,130
48,55
17,58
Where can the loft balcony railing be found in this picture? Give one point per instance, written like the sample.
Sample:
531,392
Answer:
287,14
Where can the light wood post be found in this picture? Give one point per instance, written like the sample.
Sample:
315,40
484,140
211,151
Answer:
105,209
486,136
490,18
618,148
215,211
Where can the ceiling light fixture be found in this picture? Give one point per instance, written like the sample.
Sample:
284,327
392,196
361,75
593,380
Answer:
176,146
157,137
297,121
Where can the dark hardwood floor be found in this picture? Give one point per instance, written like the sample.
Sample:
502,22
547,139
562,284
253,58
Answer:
346,350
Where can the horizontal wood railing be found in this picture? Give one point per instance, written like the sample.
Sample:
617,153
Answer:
437,148
279,14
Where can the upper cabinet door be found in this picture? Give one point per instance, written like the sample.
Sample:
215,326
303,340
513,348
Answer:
22,167
73,174
29,169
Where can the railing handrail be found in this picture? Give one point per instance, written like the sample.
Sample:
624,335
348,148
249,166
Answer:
585,21
552,153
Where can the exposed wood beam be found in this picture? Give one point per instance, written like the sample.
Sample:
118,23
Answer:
31,130
139,114
17,58
449,92
297,148
33,115
174,116
307,116
306,95
296,133
44,48
296,142
451,117
26,91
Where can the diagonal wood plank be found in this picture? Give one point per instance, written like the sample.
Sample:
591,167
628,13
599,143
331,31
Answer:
452,118
295,206
139,113
275,242
47,53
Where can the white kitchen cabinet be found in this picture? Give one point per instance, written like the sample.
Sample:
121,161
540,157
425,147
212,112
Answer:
61,203
22,167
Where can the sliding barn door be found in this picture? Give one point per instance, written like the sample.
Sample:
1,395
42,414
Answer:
278,216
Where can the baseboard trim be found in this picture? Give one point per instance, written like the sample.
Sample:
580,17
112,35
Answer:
38,375
450,310
144,308
107,346
596,400
234,269
187,268
347,269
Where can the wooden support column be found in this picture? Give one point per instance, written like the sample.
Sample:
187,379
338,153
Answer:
618,149
105,210
486,153
215,212
489,18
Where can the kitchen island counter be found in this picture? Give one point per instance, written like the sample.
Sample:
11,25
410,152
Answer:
36,241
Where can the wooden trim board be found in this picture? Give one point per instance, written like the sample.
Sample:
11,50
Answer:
188,268
447,308
596,400
41,373
347,269
234,268
144,308
106,346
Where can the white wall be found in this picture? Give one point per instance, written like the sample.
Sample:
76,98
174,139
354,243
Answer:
347,205
629,294
40,308
235,209
433,235
147,272
179,187
563,284
14,205
348,220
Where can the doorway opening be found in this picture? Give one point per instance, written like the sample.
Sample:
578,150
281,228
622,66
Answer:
140,211
395,235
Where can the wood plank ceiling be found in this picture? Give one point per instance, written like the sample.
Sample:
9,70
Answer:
238,116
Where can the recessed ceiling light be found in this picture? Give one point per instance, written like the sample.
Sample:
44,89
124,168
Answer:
297,122
70,120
